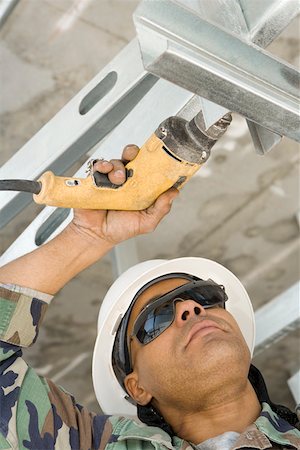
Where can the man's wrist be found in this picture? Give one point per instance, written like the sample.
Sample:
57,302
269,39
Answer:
85,237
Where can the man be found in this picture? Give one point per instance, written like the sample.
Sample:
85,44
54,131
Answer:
178,351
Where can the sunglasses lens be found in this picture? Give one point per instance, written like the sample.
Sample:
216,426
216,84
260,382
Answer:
158,317
207,296
155,323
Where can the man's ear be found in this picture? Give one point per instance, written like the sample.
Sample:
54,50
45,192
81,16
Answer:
135,390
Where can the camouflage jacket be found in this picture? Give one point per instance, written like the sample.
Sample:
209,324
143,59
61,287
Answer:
37,414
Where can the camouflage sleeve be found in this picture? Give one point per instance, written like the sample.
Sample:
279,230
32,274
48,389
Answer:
34,412
22,311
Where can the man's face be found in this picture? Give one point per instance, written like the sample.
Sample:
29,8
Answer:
199,354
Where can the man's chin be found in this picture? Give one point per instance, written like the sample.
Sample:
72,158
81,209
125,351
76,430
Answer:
217,354
213,341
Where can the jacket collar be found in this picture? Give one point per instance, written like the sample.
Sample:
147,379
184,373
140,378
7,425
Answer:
267,429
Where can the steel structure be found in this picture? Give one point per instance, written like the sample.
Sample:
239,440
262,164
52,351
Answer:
213,51
224,65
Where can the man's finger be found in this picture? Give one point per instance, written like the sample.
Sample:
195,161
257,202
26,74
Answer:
102,166
165,199
118,174
161,207
130,152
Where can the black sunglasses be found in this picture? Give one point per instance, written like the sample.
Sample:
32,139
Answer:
157,316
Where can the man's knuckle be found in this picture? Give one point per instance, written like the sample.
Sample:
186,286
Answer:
149,227
165,209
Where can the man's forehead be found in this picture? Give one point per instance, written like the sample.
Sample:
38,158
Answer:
155,291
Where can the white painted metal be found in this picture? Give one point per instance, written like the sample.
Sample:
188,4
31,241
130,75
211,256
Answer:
294,385
124,256
277,318
298,219
274,321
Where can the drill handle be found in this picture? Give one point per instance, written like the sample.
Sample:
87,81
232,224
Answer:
152,172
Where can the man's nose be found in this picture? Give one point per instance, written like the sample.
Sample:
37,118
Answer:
186,310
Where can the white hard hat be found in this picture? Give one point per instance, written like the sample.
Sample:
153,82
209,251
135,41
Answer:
110,394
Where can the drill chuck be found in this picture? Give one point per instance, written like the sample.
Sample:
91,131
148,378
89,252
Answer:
189,140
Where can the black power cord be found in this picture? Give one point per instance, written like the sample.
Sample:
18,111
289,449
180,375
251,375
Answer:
21,185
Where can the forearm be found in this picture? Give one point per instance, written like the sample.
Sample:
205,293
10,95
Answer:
51,266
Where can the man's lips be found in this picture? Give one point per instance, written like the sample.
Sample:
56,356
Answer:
197,327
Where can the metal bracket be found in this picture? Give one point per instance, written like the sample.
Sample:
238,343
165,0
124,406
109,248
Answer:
193,53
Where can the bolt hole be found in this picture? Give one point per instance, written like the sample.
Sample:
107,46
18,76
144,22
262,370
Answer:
98,92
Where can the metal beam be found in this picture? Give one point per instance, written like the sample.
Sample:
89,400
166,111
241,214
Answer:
255,21
191,52
247,20
124,256
277,318
266,19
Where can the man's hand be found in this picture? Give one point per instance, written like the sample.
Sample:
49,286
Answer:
116,226
89,236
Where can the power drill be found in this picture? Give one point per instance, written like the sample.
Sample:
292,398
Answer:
169,158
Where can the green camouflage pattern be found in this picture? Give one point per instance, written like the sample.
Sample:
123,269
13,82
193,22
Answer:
36,414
